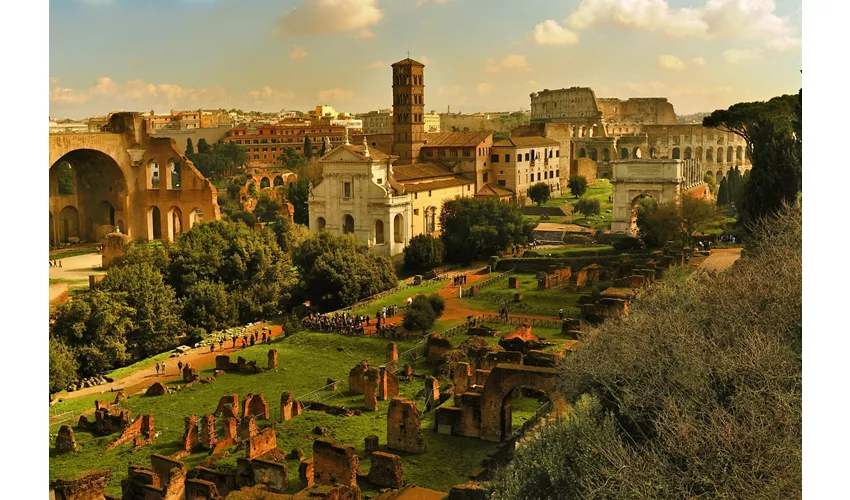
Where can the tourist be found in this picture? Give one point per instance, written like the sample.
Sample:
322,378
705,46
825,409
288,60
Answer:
221,344
163,368
269,339
60,262
233,338
179,366
212,347
157,369
561,313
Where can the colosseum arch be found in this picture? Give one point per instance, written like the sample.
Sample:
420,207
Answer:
709,154
606,154
624,153
730,152
676,154
688,153
593,155
636,153
582,153
501,383
698,154
739,153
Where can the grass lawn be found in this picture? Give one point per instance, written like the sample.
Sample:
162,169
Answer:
600,190
306,360
540,302
399,298
73,251
571,249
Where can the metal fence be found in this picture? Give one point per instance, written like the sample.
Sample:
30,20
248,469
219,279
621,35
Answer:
541,412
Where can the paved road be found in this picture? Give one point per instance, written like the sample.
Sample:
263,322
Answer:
77,269
721,259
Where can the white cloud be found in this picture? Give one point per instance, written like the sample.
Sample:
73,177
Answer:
314,17
484,88
426,60
698,61
334,95
513,62
377,64
365,34
728,19
267,93
671,62
298,52
549,32
138,93
533,83
735,56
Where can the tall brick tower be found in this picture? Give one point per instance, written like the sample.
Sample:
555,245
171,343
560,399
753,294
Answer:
408,110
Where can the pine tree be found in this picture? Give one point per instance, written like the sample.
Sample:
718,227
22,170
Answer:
723,193
777,173
308,148
322,151
190,149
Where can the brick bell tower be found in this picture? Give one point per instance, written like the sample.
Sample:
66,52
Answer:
408,110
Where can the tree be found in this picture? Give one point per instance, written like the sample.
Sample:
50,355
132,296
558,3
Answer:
577,185
266,208
479,228
156,321
298,193
691,397
255,272
777,173
723,193
693,212
308,148
421,313
588,206
657,224
323,150
424,252
203,147
539,193
208,305
289,235
711,181
63,366
293,160
244,217
740,117
95,328
65,179
190,149
337,271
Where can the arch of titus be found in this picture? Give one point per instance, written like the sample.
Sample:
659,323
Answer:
122,178
663,180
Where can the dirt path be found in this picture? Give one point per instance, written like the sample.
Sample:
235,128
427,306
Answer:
140,380
720,259
77,269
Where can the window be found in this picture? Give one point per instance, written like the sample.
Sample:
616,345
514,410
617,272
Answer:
558,153
429,194
415,211
501,172
493,158
430,220
502,182
485,176
527,157
538,176
518,158
507,158
545,175
557,173
415,196
346,189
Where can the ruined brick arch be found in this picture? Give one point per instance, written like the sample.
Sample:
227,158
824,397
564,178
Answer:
265,183
636,153
174,178
501,382
154,223
174,222
653,152
195,216
278,181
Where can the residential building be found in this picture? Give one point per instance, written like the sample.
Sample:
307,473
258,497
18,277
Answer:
520,162
432,123
265,143
377,122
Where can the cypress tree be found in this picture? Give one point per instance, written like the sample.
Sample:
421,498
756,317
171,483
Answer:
308,148
723,193
190,149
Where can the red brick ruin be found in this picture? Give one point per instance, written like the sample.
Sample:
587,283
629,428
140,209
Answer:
262,443
404,427
334,463
386,470
65,441
392,352
86,486
355,377
140,432
289,407
256,405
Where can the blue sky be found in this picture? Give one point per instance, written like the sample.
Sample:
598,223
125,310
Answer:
479,54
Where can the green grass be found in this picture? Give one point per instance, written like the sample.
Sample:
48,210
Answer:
600,190
399,298
306,360
547,301
571,249
139,365
73,251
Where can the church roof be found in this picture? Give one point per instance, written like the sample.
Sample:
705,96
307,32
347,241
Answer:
494,190
374,153
454,139
408,61
420,171
413,187
525,142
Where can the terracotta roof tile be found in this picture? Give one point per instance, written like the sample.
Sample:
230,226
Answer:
420,171
455,139
415,187
526,142
374,153
494,190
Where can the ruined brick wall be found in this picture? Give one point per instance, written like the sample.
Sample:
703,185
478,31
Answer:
334,463
355,377
141,427
256,405
199,489
385,470
88,485
404,427
228,400
271,474
638,110
370,389
262,443
437,346
584,167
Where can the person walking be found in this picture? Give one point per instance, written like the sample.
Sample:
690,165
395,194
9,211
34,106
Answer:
221,344
163,368
561,313
179,366
157,369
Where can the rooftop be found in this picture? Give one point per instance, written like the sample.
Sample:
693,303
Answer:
455,139
420,171
525,142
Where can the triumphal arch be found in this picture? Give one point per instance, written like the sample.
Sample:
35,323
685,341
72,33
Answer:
121,178
664,180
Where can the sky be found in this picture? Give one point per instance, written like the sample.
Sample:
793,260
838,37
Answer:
479,55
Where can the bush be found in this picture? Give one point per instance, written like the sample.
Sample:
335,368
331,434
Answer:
423,253
438,303
423,311
699,391
63,366
539,193
577,185
588,206
626,243
478,228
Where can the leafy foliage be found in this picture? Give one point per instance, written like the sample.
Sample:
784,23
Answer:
207,305
424,252
423,311
63,365
298,193
190,149
65,178
697,394
577,185
659,224
588,206
539,193
288,235
723,192
337,271
244,217
478,228
308,148
266,208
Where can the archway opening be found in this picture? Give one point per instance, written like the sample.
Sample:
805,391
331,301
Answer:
379,232
698,153
175,179
688,153
431,220
641,205
69,224
653,152
52,231
518,406
729,153
739,153
636,153
320,223
93,184
264,183
606,155
676,153
624,154
175,223
582,153
154,224
593,155
152,175
278,181
398,228
347,224
709,154
195,216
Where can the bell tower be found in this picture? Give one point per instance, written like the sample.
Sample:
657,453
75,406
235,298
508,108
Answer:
408,110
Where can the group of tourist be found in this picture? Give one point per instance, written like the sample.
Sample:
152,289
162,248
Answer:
264,336
160,369
460,280
344,323
730,239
